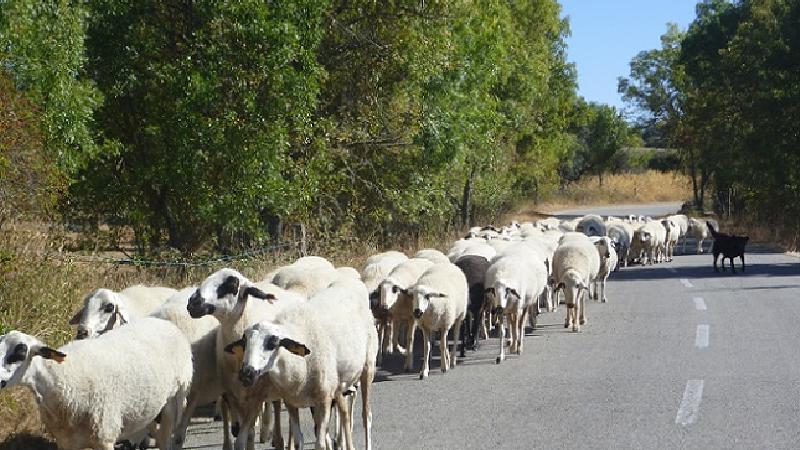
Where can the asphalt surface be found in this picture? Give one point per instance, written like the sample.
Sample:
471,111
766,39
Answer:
679,357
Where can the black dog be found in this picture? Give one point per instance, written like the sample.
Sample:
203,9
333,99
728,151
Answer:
730,247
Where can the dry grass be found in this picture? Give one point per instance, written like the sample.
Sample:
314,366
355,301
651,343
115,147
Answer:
41,287
628,188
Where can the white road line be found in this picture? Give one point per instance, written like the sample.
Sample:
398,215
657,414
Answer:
699,303
687,283
701,339
690,405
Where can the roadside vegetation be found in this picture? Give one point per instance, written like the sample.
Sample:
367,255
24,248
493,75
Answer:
725,94
183,132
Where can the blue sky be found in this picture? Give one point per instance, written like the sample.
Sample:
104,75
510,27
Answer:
606,34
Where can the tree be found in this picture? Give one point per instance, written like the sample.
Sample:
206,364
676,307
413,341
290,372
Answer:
210,105
603,135
42,55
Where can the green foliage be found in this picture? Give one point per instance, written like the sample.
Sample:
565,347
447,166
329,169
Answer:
209,105
736,74
42,50
217,119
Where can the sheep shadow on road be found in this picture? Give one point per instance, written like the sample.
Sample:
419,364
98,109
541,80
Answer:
26,441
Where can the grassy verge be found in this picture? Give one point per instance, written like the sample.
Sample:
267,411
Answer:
625,188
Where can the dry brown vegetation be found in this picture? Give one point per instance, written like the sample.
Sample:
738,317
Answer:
645,187
628,188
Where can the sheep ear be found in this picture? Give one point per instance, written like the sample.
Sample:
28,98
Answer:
76,319
295,347
439,295
236,348
49,353
258,293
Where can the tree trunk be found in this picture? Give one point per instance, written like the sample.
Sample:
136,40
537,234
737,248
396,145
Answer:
704,179
600,178
697,191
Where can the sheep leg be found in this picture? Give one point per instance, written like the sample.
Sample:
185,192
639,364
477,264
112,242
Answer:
568,320
410,329
225,408
582,310
426,338
484,319
296,433
742,262
170,415
345,438
501,324
521,328
603,291
395,329
445,355
456,333
381,328
274,421
180,430
322,413
265,430
733,266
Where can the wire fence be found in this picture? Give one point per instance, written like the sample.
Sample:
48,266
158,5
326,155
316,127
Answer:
180,263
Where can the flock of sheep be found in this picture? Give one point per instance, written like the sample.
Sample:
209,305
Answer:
310,334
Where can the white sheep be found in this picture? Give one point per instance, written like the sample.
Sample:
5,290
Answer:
311,355
104,309
576,263
648,241
377,268
433,255
306,276
88,394
348,272
673,234
699,231
515,282
591,225
568,225
682,222
440,299
621,234
466,247
239,303
608,262
207,383
550,223
396,306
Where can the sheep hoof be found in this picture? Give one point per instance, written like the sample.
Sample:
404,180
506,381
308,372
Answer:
605,300
423,375
497,361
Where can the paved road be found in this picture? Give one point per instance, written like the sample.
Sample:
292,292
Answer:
680,357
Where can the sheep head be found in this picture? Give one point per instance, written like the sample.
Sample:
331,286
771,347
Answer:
224,292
